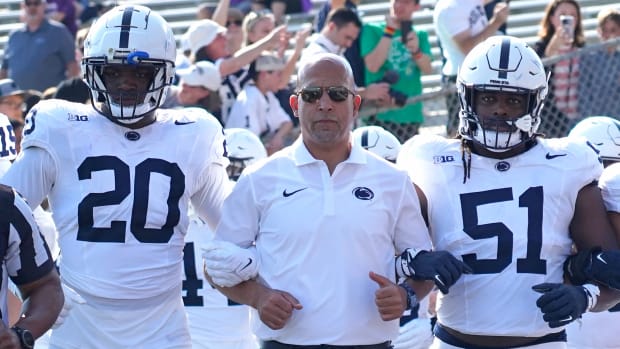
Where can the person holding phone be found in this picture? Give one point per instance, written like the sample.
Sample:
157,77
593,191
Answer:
561,32
396,45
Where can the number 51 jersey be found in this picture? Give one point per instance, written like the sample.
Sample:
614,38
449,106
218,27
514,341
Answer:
509,222
120,196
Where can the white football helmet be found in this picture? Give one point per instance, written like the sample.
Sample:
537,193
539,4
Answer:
603,133
129,35
377,140
243,148
501,64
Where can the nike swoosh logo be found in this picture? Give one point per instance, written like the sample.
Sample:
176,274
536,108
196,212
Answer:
550,156
177,122
568,319
285,194
438,279
601,258
247,265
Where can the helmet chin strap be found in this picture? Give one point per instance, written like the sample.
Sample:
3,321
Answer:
117,110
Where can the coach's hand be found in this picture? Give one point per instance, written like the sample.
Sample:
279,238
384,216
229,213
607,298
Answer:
391,300
275,307
560,303
228,264
440,266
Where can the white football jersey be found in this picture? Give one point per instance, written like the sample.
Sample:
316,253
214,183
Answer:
509,222
120,196
213,318
8,151
610,187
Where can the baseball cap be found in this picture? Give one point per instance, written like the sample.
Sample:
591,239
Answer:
9,88
202,73
202,33
269,61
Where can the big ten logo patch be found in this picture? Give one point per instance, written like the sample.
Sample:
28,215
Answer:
74,117
439,159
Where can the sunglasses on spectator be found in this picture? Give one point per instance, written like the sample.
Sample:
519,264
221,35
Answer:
335,93
32,3
236,22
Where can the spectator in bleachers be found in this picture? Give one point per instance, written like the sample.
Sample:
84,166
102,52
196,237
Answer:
489,9
280,8
207,42
461,25
352,53
342,30
599,77
198,87
257,108
63,11
554,38
41,53
231,18
205,11
386,50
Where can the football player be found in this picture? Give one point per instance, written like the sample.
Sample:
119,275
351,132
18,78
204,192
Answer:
511,204
597,330
120,175
216,322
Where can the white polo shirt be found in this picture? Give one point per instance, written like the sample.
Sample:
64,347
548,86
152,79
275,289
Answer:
319,235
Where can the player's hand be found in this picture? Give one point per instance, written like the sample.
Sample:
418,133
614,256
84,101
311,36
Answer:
391,300
440,266
71,298
228,264
8,338
594,265
275,307
561,304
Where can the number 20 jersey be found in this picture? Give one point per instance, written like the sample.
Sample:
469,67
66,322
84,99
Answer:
509,221
120,196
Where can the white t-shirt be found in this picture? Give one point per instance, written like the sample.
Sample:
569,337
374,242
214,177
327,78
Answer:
509,222
319,235
319,43
260,113
452,17
119,196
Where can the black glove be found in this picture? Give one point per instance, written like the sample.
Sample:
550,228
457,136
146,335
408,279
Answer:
561,304
440,266
594,265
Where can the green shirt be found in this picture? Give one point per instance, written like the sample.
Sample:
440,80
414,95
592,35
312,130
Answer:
400,60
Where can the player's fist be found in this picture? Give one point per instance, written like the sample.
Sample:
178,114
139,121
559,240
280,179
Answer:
228,264
439,266
275,307
561,304
594,265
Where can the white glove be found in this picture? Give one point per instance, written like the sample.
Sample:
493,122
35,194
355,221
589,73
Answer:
228,264
71,297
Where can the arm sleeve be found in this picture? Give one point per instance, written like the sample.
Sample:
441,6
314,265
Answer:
240,215
32,175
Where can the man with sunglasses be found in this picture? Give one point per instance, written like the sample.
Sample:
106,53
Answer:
325,218
40,54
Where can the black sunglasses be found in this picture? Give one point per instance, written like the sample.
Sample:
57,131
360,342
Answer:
335,93
237,22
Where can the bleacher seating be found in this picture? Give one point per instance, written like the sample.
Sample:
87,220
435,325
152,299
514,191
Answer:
523,22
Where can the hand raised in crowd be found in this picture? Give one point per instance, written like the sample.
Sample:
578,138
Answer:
500,13
391,300
413,43
275,307
276,36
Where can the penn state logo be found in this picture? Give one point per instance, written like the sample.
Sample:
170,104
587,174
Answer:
363,193
502,166
132,135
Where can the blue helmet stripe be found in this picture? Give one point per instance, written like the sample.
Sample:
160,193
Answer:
125,27
504,58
